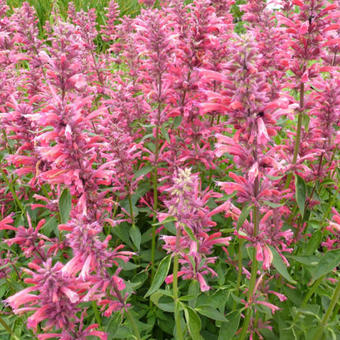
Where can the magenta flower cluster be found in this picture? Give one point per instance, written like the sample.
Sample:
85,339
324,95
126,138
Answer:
227,137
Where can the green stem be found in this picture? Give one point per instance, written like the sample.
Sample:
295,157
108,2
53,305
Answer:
128,314
212,120
131,211
153,241
16,270
239,273
4,324
155,180
107,230
298,133
252,281
96,313
133,324
336,311
307,297
6,141
218,119
15,196
334,301
175,289
155,203
312,291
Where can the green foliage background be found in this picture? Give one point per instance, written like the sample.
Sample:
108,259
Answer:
44,8
127,7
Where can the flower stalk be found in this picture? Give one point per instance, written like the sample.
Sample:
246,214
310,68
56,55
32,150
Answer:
175,289
239,272
254,266
298,133
133,324
334,301
252,281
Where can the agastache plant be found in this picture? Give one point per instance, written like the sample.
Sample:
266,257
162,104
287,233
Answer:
306,30
156,47
250,107
172,173
192,245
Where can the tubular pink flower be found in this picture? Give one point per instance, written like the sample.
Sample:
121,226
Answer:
22,297
203,285
6,223
272,307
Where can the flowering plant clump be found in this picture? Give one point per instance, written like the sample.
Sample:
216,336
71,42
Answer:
172,174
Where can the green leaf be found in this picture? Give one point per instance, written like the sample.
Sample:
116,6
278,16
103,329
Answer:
211,313
244,214
113,325
151,147
300,193
160,275
177,121
123,333
166,304
139,279
310,260
149,135
190,233
165,134
280,266
328,181
274,178
227,230
194,291
135,236
327,263
313,243
143,171
65,206
167,220
272,204
187,298
170,227
229,328
126,265
313,310
193,322
162,292
3,287
50,225
122,232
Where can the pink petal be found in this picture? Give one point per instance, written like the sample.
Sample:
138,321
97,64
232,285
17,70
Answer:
269,305
203,285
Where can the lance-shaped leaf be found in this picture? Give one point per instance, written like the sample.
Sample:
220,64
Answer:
65,205
160,275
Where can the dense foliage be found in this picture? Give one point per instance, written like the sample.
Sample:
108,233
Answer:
173,174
